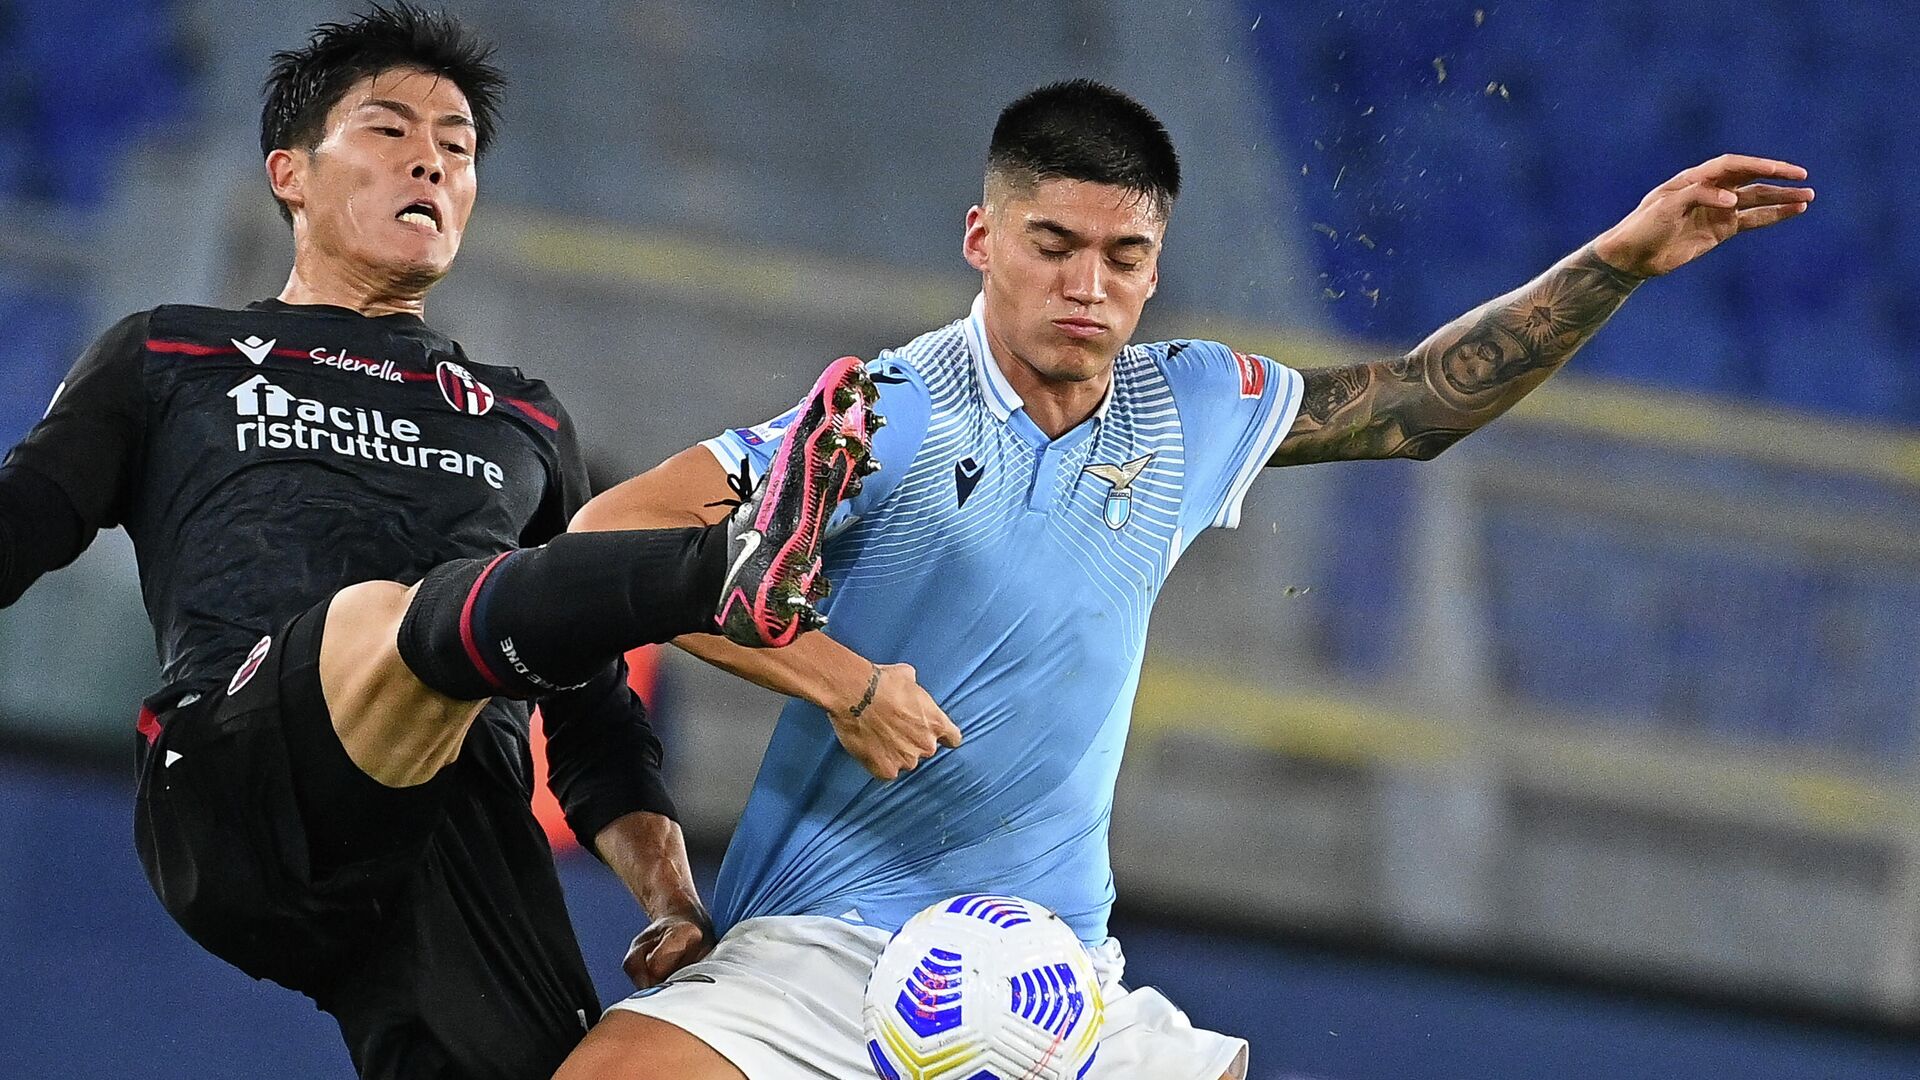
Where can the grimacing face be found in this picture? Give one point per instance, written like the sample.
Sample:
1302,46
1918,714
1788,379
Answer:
1067,266
390,186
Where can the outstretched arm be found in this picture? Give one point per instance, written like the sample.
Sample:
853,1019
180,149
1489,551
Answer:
1464,374
1476,367
73,474
603,764
40,530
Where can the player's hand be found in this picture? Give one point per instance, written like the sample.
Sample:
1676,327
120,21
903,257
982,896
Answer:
1696,211
668,944
898,729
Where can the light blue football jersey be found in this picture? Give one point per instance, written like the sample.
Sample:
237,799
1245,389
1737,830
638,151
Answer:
1015,573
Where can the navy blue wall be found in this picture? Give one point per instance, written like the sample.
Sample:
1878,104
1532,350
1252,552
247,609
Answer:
1452,148
98,983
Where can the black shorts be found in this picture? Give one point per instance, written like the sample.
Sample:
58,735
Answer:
428,920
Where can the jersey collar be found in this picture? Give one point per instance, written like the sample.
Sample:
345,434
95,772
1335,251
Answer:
1002,399
398,318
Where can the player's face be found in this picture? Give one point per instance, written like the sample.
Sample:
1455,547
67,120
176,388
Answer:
1067,266
390,186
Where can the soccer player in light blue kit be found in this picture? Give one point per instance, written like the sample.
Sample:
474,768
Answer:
1039,479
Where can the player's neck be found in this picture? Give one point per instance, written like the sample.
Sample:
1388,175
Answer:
322,282
1056,406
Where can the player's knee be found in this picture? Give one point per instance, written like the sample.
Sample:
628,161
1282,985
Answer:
368,604
603,1055
362,669
361,624
396,728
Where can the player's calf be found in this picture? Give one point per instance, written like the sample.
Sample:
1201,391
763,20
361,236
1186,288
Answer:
538,621
405,670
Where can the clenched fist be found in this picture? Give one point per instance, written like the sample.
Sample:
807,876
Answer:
894,724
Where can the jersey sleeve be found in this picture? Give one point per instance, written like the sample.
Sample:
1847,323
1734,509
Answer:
73,474
904,402
1235,408
40,530
89,441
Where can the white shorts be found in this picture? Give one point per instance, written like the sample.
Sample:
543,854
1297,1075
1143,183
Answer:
780,998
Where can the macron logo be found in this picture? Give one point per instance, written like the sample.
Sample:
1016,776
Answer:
258,397
255,350
966,476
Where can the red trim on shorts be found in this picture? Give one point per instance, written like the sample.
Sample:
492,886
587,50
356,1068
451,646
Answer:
148,725
466,624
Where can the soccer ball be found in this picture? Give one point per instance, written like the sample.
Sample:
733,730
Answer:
983,988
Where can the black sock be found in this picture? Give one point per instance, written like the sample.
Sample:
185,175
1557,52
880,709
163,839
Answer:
538,620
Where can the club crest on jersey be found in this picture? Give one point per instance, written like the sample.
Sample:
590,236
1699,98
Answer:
464,392
1120,479
250,665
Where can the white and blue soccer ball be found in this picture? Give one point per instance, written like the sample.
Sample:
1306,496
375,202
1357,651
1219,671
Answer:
983,987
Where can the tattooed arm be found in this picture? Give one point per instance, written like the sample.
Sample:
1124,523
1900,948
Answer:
1468,372
1476,367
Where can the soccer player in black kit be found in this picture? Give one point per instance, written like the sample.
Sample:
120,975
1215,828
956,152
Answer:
352,546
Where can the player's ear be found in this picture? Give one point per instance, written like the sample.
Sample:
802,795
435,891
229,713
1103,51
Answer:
287,176
974,243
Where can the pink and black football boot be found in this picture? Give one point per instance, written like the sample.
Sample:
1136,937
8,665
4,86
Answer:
774,535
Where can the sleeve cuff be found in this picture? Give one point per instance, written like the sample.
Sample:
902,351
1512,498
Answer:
591,811
728,450
1279,422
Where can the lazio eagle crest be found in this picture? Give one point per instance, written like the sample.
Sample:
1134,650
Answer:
1120,479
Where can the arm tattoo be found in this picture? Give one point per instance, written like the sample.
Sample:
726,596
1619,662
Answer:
1465,374
1334,390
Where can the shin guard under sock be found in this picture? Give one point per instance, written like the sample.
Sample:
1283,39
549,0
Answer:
538,620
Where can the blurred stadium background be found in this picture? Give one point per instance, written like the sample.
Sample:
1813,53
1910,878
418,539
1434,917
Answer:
1588,750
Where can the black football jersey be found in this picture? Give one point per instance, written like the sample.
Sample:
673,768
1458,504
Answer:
265,458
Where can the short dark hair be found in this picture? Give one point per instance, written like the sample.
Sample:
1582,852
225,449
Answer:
1084,130
304,85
